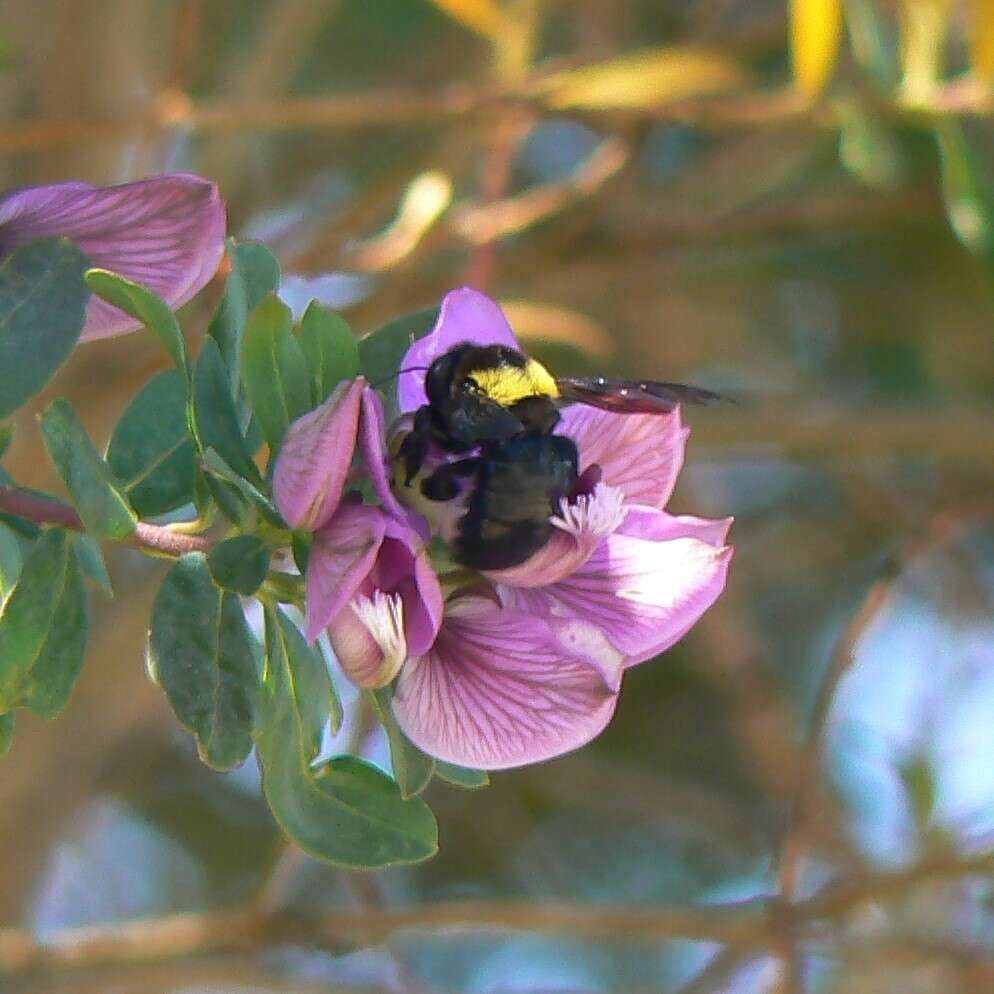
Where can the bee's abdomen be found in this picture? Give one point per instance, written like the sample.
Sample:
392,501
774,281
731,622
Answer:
519,485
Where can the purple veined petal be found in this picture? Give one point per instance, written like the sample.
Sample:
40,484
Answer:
579,528
496,691
342,557
372,447
314,460
646,522
643,595
166,232
368,638
466,315
641,454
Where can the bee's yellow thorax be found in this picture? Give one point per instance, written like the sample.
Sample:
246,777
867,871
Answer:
507,385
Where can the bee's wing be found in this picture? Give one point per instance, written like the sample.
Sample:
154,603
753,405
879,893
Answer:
631,396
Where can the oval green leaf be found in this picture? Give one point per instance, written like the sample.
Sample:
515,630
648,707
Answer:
143,304
412,768
330,347
347,812
216,415
95,491
381,351
42,312
151,451
254,273
239,564
43,629
201,653
274,371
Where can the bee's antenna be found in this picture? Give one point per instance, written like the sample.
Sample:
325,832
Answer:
393,376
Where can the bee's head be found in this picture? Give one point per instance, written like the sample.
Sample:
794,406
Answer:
442,374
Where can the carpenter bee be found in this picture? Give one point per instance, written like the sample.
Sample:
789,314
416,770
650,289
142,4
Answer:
500,407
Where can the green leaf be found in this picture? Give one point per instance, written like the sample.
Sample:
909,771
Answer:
214,464
42,312
274,371
254,273
143,305
6,732
301,546
314,696
215,413
91,561
6,437
348,812
200,652
94,489
10,559
21,526
239,564
461,776
412,769
331,350
151,451
381,351
968,191
43,628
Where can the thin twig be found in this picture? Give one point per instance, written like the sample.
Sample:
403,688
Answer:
745,925
401,107
809,780
46,511
173,936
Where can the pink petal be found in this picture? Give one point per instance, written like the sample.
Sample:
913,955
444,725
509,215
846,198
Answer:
342,556
423,617
643,595
466,315
403,567
641,454
496,691
647,522
314,459
372,447
166,233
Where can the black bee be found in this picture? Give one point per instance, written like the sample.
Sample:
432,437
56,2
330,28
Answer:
505,404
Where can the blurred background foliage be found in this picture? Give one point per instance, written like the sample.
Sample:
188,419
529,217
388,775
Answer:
791,202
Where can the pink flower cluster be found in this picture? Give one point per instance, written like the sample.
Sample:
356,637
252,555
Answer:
522,664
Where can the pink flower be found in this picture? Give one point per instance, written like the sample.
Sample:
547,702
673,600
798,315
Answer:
535,669
371,584
369,581
166,233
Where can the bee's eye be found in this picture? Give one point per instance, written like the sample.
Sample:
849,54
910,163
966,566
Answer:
470,384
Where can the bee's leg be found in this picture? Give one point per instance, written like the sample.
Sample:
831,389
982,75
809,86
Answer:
414,448
445,483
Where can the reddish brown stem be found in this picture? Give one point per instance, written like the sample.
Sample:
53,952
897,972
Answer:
46,511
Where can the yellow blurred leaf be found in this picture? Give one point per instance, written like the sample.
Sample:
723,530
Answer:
642,79
982,40
815,35
537,321
924,28
482,16
425,200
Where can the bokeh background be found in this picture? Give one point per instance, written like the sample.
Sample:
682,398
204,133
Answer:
791,206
